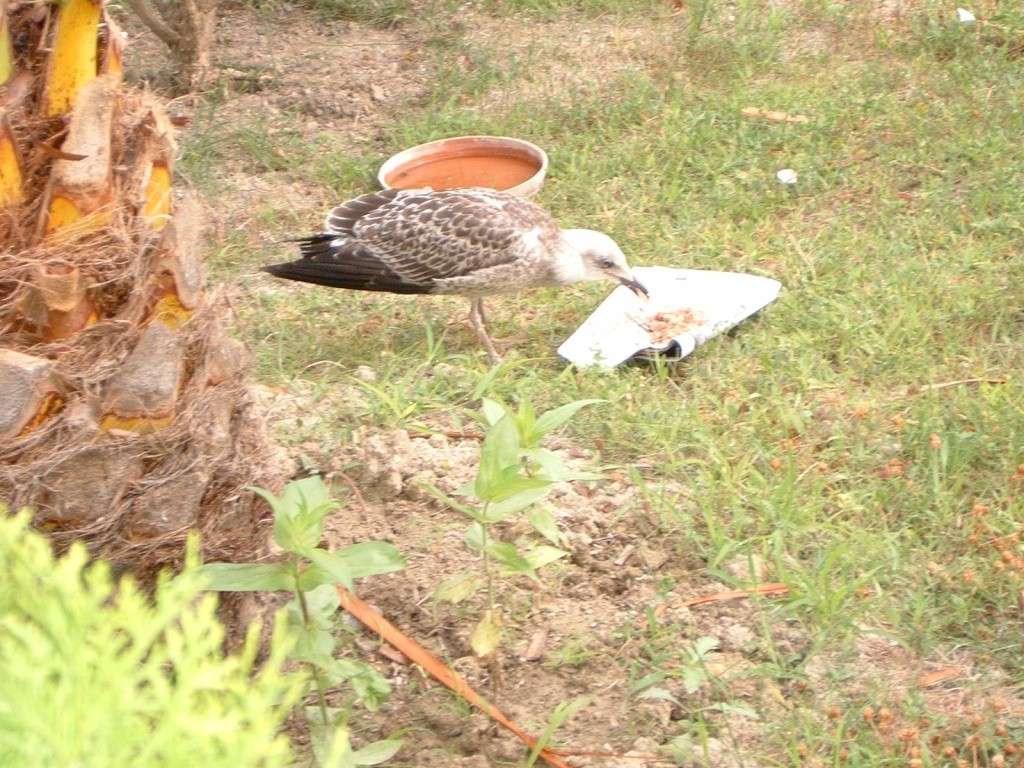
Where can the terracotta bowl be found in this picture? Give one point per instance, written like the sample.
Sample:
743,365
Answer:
510,165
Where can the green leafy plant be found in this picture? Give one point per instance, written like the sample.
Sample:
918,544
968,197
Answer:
693,670
311,574
577,651
515,473
559,715
96,673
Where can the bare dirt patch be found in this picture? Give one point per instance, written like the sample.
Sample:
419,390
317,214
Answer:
300,69
298,85
592,607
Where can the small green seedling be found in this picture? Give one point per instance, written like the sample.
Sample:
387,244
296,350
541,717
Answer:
693,671
558,718
514,474
311,574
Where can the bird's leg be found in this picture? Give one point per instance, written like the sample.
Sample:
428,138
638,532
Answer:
483,315
479,323
476,307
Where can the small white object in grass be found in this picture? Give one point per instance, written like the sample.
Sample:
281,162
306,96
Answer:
964,16
787,176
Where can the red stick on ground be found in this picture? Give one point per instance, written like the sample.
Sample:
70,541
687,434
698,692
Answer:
437,668
768,590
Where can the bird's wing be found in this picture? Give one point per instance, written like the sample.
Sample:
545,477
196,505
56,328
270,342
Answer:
343,218
416,241
428,236
331,260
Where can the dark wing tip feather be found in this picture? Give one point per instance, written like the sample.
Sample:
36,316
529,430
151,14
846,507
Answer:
325,261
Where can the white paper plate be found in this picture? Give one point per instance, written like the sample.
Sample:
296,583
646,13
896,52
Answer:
719,300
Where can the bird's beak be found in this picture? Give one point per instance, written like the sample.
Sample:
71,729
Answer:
635,286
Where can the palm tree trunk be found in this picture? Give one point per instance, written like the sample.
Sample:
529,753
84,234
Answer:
124,417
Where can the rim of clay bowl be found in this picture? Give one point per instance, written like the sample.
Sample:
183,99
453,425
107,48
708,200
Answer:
526,188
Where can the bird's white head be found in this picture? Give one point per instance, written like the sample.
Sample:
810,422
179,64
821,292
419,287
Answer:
592,255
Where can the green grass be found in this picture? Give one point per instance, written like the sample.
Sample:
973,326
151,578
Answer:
813,436
553,9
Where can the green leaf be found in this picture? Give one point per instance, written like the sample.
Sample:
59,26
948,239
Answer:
307,493
526,419
683,751
501,510
466,489
705,645
554,469
659,694
485,382
559,716
313,645
510,482
509,556
458,506
457,588
322,603
648,680
299,513
334,566
371,558
551,464
543,521
503,440
693,679
558,416
377,753
314,640
542,555
735,709
370,687
282,531
248,577
492,411
334,750
313,576
487,635
314,717
500,451
475,537
295,536
276,505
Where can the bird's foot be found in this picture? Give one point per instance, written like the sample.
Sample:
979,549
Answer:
504,344
479,322
461,322
497,347
492,352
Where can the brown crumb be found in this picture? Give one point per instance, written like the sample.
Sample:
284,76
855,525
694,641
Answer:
667,325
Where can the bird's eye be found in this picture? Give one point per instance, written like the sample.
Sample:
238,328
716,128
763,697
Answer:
605,263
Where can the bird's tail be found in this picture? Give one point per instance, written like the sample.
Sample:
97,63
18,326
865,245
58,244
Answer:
312,246
338,263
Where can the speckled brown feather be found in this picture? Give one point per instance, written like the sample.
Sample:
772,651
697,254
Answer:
469,241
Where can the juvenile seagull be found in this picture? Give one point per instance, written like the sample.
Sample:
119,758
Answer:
471,242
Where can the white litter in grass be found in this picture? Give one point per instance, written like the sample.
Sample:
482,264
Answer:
964,16
787,176
687,307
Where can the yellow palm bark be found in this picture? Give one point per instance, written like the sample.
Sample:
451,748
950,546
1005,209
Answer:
124,419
